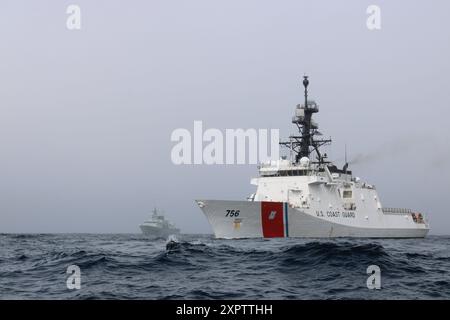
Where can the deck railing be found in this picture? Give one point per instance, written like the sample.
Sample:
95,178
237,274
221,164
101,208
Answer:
397,210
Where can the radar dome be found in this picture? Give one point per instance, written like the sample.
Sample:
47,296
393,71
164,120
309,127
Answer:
304,161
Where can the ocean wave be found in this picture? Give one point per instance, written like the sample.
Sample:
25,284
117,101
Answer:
199,267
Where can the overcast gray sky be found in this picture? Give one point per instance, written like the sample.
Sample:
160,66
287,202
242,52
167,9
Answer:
86,115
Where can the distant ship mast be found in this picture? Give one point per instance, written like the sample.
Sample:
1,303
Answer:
304,144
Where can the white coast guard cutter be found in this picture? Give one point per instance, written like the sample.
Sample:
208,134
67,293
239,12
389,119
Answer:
309,196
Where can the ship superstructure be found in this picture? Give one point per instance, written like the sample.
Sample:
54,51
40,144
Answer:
157,226
306,195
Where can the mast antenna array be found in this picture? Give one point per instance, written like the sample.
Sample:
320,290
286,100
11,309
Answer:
304,144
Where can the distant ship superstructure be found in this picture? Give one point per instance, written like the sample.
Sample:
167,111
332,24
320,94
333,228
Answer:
308,196
158,227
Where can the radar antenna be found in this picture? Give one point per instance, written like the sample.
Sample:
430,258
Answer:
304,144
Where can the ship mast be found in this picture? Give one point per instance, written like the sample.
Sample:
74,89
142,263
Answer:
306,129
305,144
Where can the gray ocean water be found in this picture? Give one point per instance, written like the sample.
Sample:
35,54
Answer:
131,266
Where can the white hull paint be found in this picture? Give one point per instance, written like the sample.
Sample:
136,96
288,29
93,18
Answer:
305,223
306,195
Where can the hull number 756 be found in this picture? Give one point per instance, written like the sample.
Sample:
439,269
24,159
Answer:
232,213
